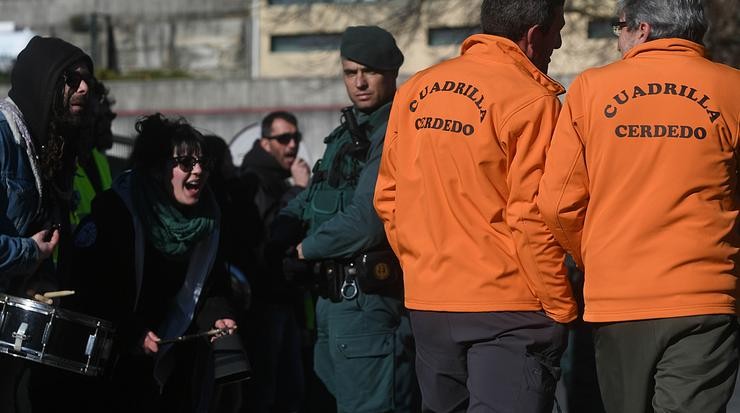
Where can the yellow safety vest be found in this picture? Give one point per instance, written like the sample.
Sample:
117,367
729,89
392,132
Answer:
84,189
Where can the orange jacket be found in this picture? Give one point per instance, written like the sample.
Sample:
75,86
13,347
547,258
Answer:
463,156
641,183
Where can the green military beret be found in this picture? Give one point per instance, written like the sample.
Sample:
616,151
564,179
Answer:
371,46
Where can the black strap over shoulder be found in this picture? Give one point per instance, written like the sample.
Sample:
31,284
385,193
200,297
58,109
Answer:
360,142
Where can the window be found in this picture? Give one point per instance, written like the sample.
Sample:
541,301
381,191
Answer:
600,29
445,36
305,42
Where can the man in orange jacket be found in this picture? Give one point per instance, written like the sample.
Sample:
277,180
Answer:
640,187
484,277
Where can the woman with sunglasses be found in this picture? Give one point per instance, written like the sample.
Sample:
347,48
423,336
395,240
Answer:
147,259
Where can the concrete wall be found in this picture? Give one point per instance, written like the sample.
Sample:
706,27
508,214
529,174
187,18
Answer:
225,107
45,13
231,38
202,38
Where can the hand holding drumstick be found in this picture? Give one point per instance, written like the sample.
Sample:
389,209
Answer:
222,327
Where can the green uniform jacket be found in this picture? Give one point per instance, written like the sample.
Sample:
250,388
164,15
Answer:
341,220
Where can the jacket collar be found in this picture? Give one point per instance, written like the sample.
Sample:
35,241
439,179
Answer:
672,45
503,49
368,121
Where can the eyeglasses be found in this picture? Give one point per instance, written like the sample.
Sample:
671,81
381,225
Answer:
187,163
285,138
617,26
73,79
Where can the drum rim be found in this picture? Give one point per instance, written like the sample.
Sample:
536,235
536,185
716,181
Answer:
57,311
26,303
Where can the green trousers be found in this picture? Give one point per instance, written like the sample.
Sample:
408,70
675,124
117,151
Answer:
364,353
682,364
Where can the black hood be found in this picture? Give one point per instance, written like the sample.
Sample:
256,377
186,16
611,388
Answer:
259,159
35,79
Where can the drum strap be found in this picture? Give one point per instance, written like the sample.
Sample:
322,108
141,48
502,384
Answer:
122,187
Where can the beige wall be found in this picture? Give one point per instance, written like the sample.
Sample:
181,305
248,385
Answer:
578,52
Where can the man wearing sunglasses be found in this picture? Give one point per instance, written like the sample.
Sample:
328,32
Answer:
39,125
277,382
641,188
364,350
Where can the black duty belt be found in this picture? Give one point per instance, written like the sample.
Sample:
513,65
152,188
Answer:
372,272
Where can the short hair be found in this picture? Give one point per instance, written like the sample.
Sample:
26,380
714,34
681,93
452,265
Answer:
682,19
159,137
512,18
267,121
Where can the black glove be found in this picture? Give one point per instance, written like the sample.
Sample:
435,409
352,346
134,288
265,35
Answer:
296,271
286,231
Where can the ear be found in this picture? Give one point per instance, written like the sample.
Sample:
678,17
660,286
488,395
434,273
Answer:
645,30
531,41
265,144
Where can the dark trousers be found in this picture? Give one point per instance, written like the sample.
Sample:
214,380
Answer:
682,364
14,378
487,362
277,384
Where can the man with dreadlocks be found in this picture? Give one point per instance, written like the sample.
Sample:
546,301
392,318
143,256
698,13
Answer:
39,123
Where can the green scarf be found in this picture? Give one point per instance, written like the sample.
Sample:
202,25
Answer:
171,231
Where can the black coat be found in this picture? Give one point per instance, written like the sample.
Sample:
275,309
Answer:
268,181
103,276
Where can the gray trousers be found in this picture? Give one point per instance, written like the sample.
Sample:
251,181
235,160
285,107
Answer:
682,364
487,362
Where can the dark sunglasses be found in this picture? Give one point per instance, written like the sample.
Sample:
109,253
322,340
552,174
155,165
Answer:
617,27
285,138
187,163
73,79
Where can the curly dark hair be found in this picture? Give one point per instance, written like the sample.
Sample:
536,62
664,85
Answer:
158,138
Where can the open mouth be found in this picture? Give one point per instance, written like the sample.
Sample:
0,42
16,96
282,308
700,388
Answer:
291,156
193,186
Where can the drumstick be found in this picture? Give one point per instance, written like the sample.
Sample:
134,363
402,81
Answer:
208,333
41,298
55,294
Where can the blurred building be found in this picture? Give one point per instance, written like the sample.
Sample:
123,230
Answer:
281,38
300,37
223,64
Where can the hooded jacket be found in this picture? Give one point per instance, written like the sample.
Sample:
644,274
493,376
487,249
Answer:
641,183
463,157
37,76
24,120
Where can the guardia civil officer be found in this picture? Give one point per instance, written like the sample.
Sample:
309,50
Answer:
640,186
364,349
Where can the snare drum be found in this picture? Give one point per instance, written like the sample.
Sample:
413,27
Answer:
57,337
